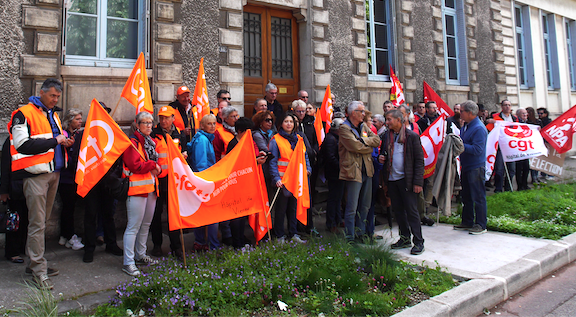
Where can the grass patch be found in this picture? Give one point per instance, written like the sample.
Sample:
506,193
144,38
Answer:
548,211
329,277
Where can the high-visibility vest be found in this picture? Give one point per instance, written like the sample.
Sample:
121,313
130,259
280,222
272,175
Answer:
140,183
226,136
162,149
39,129
285,153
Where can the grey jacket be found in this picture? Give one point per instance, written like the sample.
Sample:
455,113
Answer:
446,172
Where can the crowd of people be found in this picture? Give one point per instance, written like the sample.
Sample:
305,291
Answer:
366,160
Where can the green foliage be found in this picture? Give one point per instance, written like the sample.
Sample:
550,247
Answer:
327,277
545,212
39,302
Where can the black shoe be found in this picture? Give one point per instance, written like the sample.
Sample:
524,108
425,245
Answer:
402,243
157,251
427,221
227,241
417,249
178,255
462,227
488,185
477,229
88,257
51,271
114,249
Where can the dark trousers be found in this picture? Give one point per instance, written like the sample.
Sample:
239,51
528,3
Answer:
68,196
404,205
500,178
16,240
285,207
237,228
522,171
334,203
98,201
156,225
474,197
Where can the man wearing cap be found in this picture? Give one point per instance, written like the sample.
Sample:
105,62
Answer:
182,104
165,127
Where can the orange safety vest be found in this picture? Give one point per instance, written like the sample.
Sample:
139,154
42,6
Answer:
226,136
285,153
140,183
39,129
162,149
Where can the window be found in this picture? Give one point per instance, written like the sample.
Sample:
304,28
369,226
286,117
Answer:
550,51
524,46
454,42
109,33
570,33
379,39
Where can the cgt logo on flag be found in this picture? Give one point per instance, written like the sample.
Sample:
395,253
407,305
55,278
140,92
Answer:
519,141
432,140
92,143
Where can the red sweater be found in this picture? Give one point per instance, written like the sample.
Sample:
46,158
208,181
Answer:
134,162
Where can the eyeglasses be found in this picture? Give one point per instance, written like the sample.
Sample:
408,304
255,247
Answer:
268,120
147,123
304,97
300,111
362,111
226,98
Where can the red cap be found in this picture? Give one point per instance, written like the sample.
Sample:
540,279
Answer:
182,90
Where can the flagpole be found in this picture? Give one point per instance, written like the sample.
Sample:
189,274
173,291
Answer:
269,209
183,248
114,111
508,176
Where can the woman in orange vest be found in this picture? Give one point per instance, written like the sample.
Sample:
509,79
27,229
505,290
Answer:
281,147
141,166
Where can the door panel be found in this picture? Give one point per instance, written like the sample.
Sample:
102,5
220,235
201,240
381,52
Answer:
270,54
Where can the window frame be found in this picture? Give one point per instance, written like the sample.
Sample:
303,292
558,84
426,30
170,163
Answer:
101,33
371,44
570,29
549,41
526,36
461,47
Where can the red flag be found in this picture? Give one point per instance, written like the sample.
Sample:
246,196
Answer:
261,222
102,144
200,97
229,189
320,134
326,109
137,89
431,95
559,132
432,139
295,180
396,92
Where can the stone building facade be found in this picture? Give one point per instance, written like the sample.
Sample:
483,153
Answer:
465,49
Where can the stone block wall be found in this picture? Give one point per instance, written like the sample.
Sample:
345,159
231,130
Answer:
229,72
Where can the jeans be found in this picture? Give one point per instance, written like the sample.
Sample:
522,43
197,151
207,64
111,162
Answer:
140,211
500,173
285,207
333,205
358,199
404,204
474,198
200,236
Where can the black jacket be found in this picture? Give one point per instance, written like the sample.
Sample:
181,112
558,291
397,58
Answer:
413,159
158,131
307,126
426,121
330,156
187,122
277,109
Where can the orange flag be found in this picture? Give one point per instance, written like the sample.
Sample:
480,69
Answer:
178,121
295,180
137,88
326,108
227,190
320,134
261,222
102,144
200,98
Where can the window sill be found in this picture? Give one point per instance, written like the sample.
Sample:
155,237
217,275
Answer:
379,84
108,72
457,88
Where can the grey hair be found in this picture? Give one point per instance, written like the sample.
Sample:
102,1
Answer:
300,93
469,106
226,111
69,116
298,103
378,117
270,86
257,101
395,113
406,108
51,83
338,114
353,106
143,115
336,123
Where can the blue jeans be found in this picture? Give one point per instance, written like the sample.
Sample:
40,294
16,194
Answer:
474,198
333,205
212,236
140,211
500,173
358,199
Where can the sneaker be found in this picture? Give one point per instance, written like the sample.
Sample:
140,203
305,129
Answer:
42,282
377,237
157,251
51,271
74,243
281,240
402,243
477,229
417,249
462,227
296,238
62,240
131,270
147,260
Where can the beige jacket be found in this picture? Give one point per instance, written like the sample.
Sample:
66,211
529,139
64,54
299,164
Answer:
353,152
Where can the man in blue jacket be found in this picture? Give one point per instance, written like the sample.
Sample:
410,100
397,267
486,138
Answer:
473,161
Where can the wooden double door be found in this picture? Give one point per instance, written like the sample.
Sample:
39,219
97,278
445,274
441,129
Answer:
270,55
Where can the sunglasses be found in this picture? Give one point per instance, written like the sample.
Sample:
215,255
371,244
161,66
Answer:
226,98
268,120
304,97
